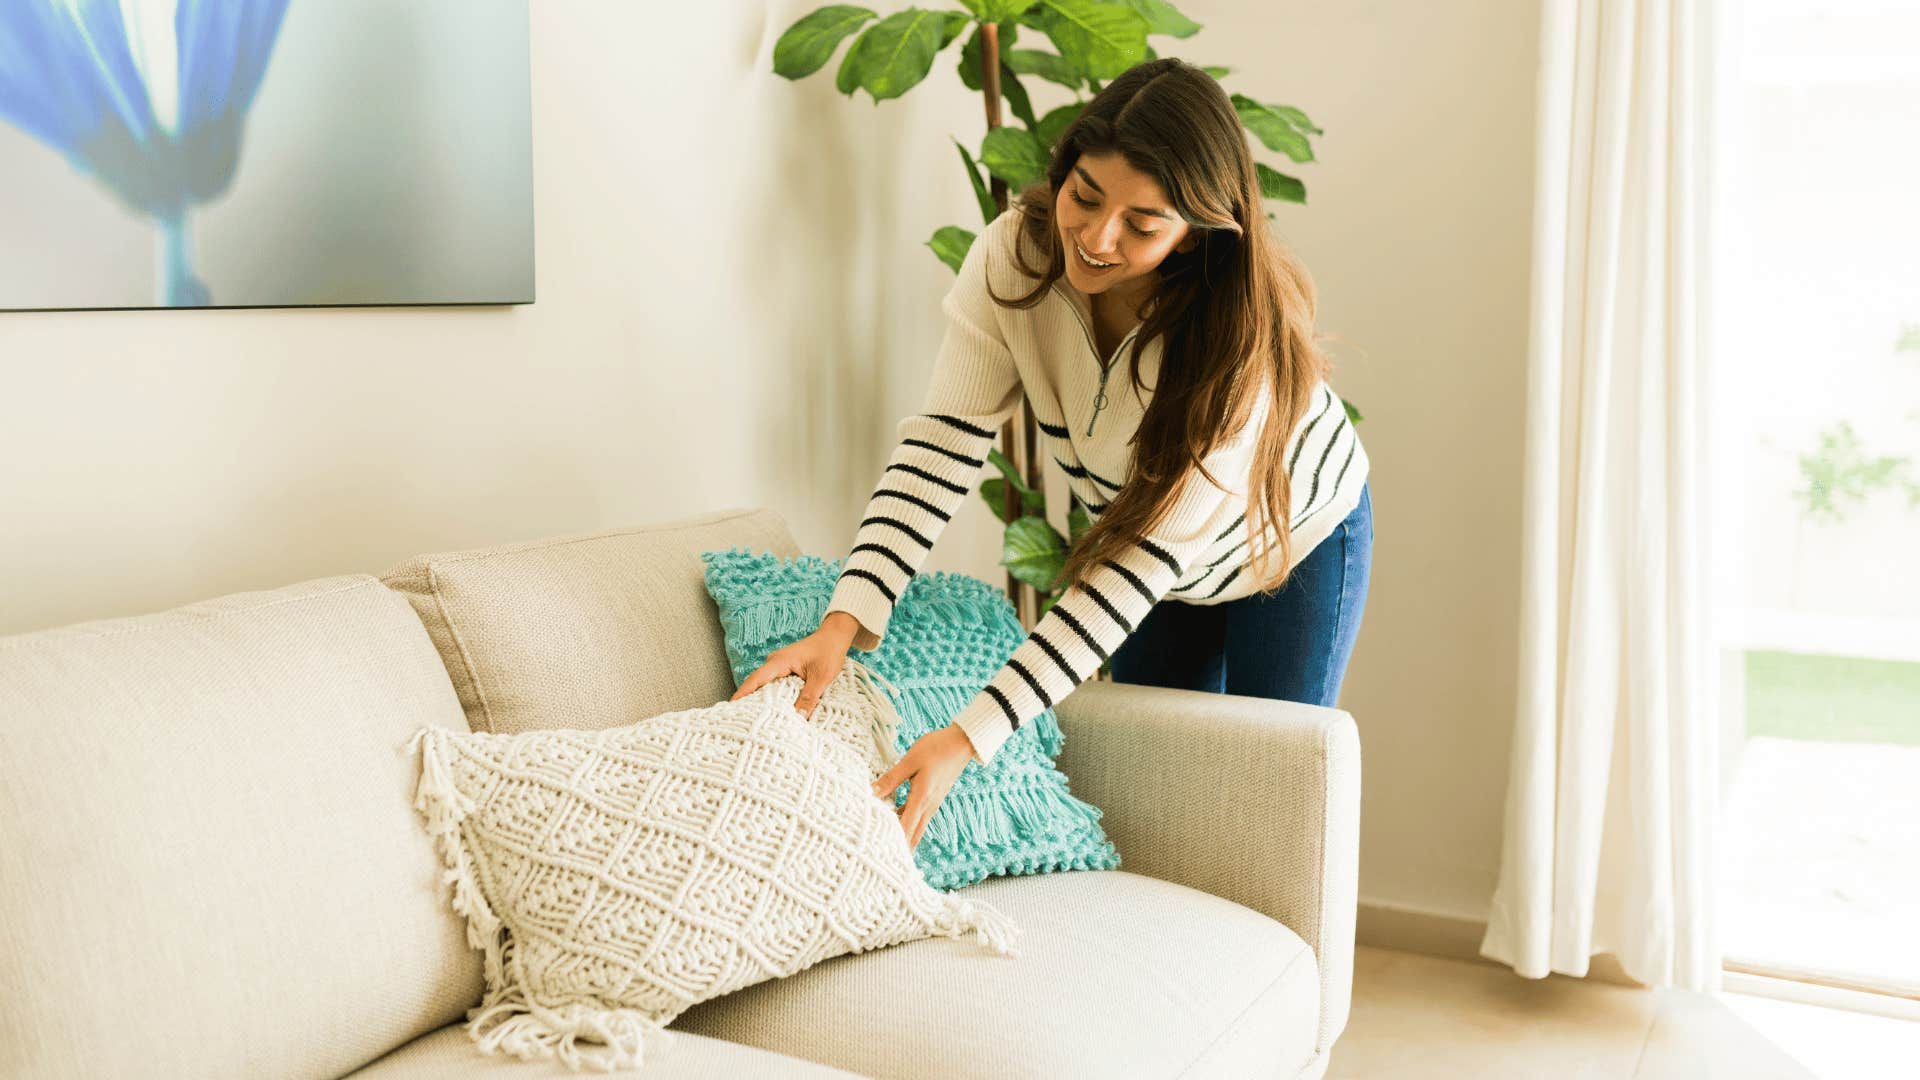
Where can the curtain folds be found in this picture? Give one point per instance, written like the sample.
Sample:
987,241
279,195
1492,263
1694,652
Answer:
1612,802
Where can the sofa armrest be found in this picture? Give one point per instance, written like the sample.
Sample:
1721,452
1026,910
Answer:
1251,799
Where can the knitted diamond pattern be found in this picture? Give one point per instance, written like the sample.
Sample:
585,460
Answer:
949,634
614,878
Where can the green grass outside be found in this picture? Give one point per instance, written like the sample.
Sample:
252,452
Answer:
1832,698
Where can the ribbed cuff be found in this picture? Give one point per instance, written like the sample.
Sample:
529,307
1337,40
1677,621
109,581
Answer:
859,598
986,726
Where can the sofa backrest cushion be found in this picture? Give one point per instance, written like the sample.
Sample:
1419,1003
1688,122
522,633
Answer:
210,862
585,631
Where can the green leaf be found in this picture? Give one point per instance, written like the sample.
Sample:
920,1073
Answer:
1014,155
1275,184
1078,522
1016,96
1034,552
1353,414
1012,475
997,10
994,490
1216,71
1272,127
950,243
847,79
896,53
1297,118
1101,39
988,208
956,22
1032,501
809,44
969,67
1055,123
1162,18
1044,64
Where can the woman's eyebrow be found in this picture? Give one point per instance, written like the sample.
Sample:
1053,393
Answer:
1142,209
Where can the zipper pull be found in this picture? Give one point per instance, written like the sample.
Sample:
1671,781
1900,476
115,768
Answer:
1099,401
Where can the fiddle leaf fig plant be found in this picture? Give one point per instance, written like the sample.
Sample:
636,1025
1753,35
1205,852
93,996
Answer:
1091,41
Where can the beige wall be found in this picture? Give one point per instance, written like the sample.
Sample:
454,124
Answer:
734,309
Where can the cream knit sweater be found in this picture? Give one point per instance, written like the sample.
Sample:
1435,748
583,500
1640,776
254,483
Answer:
1086,412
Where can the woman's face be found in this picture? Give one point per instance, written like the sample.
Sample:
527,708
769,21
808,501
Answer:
1116,214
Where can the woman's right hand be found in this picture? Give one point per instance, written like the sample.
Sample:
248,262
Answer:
816,658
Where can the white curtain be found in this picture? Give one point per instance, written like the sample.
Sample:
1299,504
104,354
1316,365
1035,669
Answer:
1612,801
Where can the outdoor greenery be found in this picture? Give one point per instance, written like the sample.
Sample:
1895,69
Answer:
1092,41
1832,698
1839,476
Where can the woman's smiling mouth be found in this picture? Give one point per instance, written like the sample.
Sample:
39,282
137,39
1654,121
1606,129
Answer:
1089,262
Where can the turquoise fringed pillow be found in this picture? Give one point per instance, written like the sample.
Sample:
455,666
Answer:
948,635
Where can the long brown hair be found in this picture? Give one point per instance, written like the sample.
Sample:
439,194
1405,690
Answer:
1236,311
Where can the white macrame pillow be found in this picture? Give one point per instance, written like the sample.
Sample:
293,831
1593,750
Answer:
615,878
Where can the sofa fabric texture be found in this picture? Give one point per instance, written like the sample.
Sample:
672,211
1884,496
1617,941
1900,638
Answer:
587,630
210,865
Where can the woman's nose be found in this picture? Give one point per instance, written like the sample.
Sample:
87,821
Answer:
1102,237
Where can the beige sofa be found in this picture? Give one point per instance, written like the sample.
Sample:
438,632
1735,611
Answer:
210,864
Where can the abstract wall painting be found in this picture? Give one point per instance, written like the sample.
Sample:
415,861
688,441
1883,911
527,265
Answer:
264,153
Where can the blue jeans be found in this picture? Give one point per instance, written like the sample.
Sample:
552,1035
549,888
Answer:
1292,645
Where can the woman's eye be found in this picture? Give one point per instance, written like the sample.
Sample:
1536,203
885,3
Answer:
1075,196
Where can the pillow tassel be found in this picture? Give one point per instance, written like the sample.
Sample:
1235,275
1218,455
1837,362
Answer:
991,926
529,1031
886,718
443,805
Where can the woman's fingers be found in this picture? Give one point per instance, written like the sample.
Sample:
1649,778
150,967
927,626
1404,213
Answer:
760,676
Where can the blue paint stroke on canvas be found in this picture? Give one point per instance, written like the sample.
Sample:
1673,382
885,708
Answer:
149,97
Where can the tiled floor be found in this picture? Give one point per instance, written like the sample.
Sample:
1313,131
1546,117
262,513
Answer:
1430,1018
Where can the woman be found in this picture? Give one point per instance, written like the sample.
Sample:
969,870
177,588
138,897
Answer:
1149,229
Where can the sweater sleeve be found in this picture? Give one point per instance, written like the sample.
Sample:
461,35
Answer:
941,450
1096,613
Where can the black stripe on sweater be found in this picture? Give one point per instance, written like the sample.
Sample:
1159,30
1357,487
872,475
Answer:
1080,628
1059,660
879,519
957,489
1308,434
1224,580
889,553
1133,578
1162,554
954,421
1006,706
856,572
1112,611
915,500
1330,491
1046,702
937,448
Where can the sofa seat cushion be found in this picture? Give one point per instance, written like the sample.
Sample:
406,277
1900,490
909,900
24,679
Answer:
447,1054
1118,975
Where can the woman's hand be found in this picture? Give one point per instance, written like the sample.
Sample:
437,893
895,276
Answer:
931,764
816,658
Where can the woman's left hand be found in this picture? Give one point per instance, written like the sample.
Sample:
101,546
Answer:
931,765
